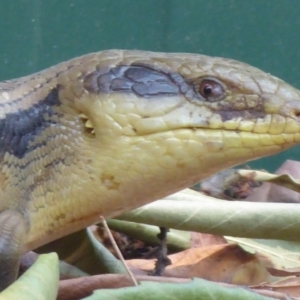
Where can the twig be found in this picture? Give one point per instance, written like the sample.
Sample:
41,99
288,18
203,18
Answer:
114,244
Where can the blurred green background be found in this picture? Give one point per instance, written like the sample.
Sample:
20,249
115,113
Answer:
265,33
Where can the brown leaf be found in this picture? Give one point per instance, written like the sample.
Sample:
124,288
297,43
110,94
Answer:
223,263
75,289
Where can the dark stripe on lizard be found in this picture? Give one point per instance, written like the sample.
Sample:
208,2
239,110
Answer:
141,80
18,130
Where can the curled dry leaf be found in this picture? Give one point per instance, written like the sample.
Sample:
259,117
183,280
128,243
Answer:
282,187
229,185
245,184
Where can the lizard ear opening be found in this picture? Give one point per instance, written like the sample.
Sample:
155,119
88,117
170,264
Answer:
88,125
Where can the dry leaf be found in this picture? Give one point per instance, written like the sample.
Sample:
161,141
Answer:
269,192
222,263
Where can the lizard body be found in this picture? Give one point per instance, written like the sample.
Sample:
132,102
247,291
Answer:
110,131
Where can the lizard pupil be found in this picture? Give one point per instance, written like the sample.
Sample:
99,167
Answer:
207,90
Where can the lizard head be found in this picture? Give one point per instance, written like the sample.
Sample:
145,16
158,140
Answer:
182,117
224,102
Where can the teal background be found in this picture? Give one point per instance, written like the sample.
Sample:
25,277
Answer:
38,33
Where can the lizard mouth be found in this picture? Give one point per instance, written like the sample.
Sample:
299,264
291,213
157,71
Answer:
289,128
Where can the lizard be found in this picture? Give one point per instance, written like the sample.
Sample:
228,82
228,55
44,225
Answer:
110,131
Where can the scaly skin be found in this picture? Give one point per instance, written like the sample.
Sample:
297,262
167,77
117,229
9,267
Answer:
75,145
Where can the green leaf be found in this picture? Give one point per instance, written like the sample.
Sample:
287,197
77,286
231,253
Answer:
87,253
109,263
39,282
193,211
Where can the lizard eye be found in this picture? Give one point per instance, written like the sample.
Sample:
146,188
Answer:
211,90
